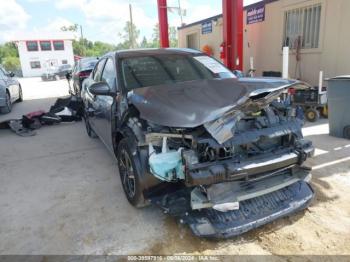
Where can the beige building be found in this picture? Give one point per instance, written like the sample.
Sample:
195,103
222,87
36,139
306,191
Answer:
317,32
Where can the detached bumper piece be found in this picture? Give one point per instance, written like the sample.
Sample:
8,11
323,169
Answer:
252,213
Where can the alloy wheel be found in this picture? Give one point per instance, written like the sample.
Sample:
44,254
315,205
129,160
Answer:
127,174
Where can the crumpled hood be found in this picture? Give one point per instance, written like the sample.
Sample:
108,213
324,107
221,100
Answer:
267,84
194,103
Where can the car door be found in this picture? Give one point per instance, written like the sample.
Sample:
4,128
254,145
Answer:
11,84
105,114
4,82
93,107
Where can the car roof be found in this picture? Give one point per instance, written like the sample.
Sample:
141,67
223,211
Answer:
153,51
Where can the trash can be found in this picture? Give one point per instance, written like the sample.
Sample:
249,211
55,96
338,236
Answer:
338,106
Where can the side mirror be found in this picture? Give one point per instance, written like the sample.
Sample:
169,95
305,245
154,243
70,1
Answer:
11,74
101,89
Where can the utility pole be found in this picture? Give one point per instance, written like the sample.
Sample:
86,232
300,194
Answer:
177,9
180,13
82,38
131,29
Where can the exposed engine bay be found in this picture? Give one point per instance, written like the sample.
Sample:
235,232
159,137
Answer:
245,151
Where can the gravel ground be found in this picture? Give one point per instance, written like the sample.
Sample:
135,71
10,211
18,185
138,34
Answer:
60,193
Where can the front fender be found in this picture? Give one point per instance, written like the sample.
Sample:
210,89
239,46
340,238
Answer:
140,154
2,96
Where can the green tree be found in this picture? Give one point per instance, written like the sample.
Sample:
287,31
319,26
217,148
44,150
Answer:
11,63
155,36
71,28
129,36
156,39
102,48
84,47
8,50
9,56
144,43
173,36
78,48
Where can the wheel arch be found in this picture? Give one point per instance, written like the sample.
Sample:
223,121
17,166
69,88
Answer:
126,128
9,93
147,180
117,137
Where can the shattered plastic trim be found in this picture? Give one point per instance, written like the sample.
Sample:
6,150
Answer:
253,213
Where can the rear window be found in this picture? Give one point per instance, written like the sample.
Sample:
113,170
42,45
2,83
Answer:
88,64
154,70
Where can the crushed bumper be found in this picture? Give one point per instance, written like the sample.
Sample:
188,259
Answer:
209,173
252,213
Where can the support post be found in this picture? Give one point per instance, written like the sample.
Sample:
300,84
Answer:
320,83
285,62
163,23
233,33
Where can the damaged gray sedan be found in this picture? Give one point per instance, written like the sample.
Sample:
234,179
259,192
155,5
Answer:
223,155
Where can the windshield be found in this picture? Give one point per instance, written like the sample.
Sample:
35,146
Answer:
154,70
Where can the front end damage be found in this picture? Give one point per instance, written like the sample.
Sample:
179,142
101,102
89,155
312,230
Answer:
233,173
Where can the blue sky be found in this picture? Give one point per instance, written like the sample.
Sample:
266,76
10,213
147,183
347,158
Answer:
101,19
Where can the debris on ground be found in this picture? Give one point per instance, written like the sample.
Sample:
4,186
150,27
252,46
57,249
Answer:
67,109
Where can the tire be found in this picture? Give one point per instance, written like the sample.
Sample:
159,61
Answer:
7,109
324,111
20,98
91,133
129,170
312,115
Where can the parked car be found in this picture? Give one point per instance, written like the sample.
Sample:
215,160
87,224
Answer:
81,71
10,91
57,73
222,154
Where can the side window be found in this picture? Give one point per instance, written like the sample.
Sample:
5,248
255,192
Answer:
108,74
98,70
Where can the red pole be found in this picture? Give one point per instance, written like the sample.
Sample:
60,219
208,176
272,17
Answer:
233,33
163,23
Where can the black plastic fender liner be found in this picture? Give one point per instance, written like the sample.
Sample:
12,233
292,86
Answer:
252,213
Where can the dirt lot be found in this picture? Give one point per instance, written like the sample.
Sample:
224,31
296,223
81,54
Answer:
60,193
